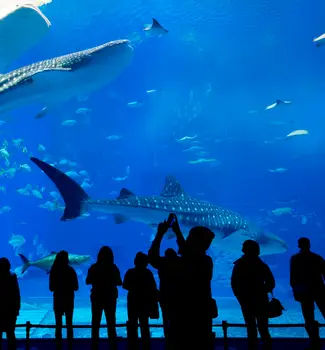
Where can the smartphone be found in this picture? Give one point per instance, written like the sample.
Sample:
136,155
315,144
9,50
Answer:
171,220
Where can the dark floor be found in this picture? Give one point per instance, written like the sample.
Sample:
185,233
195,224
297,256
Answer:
158,344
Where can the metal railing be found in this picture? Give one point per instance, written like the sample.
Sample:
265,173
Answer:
224,325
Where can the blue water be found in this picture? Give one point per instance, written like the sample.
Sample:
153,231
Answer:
214,73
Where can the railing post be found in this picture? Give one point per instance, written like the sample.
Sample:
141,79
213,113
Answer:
225,334
28,327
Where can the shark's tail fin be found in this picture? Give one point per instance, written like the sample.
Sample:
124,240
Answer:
25,261
73,194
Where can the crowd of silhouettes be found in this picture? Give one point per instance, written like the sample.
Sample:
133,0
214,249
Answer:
184,292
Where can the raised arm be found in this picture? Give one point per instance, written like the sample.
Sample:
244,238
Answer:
154,251
179,236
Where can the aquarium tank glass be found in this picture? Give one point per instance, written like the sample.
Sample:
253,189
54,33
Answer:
214,102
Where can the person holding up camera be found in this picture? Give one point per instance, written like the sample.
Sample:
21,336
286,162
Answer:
190,311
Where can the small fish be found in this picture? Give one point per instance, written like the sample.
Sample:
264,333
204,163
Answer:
122,178
85,184
83,173
151,91
17,142
2,189
23,191
298,133
63,162
41,148
134,104
113,137
54,195
5,209
320,40
186,138
193,148
278,170
42,113
4,153
282,211
51,206
17,241
36,193
72,174
69,122
202,160
155,29
83,110
277,103
25,167
9,173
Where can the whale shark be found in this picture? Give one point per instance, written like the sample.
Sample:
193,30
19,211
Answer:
58,79
230,228
46,262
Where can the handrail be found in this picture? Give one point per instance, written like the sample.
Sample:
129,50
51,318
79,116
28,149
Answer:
224,325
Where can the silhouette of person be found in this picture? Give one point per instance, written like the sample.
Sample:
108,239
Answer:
142,300
63,284
195,316
251,281
104,276
9,303
307,273
170,273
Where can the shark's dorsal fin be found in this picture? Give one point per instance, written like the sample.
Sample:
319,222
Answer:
172,188
125,193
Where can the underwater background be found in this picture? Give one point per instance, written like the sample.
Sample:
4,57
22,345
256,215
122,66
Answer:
211,78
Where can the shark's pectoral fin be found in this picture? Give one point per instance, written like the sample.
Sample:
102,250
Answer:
39,12
234,241
120,219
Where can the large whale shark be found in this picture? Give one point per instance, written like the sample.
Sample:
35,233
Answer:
231,229
58,79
